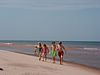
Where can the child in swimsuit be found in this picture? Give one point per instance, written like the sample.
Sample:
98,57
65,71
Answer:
35,50
40,50
60,48
44,52
53,52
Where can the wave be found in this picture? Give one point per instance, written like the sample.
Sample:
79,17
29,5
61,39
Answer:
91,48
6,43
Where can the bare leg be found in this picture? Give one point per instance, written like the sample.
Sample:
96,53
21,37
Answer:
54,59
40,56
45,57
61,59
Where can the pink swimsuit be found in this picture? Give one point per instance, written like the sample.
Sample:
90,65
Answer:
44,50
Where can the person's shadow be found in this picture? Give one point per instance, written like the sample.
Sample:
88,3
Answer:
1,69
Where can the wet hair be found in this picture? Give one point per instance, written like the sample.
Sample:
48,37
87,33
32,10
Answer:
44,45
40,44
36,47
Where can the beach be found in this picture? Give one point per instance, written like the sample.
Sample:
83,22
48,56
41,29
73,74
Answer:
21,64
79,52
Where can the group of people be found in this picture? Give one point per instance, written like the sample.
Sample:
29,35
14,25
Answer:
54,50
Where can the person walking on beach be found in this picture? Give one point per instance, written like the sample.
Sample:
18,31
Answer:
53,51
60,49
35,50
44,52
40,50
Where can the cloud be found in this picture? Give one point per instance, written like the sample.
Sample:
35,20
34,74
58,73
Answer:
50,4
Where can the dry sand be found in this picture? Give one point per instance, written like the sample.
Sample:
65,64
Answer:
20,64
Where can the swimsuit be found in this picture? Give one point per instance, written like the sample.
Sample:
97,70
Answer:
44,52
60,53
53,53
40,50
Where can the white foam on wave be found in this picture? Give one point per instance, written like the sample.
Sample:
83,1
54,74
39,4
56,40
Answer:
91,48
6,43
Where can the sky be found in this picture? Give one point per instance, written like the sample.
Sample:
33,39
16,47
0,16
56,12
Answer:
66,20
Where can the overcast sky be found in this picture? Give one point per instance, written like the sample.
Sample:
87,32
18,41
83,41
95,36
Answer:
68,20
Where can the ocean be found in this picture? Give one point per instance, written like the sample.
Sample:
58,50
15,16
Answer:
81,52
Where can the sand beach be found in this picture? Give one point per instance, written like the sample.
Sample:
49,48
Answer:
21,64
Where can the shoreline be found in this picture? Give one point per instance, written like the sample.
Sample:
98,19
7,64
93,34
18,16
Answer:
66,62
21,64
